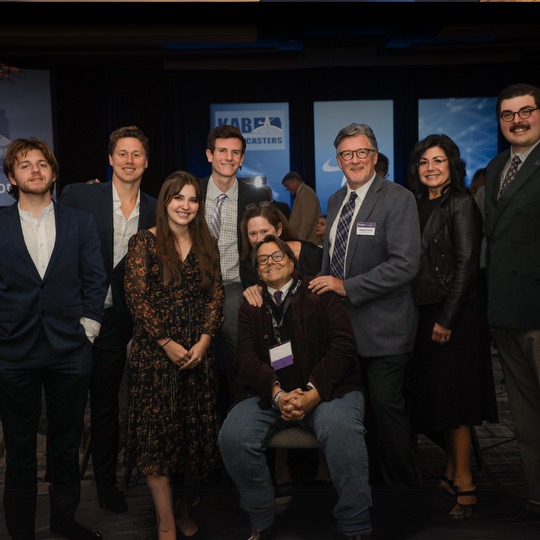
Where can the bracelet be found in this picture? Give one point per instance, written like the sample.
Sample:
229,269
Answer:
275,399
169,340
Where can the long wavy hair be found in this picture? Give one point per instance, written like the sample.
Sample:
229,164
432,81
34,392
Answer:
455,163
203,243
275,217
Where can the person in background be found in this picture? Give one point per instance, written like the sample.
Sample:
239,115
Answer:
120,209
370,262
381,167
320,230
298,357
225,150
175,295
513,263
281,206
451,373
306,208
52,289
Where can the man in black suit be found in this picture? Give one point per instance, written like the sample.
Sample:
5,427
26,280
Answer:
52,289
512,200
120,209
225,152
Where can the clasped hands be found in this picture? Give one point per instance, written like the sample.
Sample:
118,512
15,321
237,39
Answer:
296,404
187,359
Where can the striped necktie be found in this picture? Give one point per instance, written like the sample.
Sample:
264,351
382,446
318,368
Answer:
215,219
337,263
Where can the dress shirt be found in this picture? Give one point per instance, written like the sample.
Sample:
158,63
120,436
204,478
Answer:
361,193
228,233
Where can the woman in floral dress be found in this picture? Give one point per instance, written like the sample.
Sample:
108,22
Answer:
175,293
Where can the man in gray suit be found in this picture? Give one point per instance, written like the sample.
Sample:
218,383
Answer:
512,203
381,253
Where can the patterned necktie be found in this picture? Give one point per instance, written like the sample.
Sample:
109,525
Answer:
511,174
337,263
215,219
277,297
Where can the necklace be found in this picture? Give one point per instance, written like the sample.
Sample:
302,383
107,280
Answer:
182,241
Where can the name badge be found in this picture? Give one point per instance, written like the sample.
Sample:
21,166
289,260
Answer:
365,228
281,356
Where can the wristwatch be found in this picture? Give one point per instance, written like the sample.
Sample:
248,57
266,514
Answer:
275,399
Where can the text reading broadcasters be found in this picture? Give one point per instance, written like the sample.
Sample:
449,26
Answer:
264,140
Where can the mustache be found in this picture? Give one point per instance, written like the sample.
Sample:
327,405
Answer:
520,126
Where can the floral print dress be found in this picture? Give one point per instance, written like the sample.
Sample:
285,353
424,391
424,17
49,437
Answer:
173,421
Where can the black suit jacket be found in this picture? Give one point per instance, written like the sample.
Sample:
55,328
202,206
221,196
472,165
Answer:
97,200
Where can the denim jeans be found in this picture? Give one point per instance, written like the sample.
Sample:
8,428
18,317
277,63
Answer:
339,428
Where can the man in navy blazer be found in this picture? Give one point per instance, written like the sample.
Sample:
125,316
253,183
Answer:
382,257
225,150
120,209
513,272
52,289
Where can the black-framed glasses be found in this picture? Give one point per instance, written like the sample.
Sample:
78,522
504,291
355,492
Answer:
361,153
508,116
437,162
277,256
262,204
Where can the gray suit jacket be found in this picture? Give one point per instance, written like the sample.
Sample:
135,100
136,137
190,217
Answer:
379,268
513,244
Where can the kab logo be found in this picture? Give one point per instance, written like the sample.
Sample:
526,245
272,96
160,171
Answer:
262,130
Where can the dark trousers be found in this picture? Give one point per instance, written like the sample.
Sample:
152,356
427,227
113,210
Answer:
390,435
109,364
65,382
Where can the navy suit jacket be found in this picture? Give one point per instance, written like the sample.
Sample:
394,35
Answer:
73,286
97,200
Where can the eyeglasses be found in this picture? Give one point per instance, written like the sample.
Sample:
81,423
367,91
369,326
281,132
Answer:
361,153
262,204
437,162
508,116
277,256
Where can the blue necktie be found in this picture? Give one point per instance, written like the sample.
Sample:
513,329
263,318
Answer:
337,263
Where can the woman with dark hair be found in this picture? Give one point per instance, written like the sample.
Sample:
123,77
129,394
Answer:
452,376
264,218
174,291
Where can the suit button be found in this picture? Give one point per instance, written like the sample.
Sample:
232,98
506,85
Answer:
43,286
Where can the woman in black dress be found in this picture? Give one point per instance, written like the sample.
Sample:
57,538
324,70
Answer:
452,377
174,292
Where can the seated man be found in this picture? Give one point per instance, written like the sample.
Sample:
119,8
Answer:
297,354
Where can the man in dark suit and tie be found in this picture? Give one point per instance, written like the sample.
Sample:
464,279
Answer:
52,289
225,151
370,261
512,203
120,209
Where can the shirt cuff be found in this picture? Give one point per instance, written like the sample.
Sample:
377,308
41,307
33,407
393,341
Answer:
91,328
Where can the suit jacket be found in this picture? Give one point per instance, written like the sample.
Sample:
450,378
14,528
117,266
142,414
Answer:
247,194
305,213
73,286
97,200
322,340
379,268
513,244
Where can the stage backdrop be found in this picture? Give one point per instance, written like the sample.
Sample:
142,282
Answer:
470,122
266,129
25,111
329,118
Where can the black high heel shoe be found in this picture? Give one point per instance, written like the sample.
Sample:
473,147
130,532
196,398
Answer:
447,485
462,511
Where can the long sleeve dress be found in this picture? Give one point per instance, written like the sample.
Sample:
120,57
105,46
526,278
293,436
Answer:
173,420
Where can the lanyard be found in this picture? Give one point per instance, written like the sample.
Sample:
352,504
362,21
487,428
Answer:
286,303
